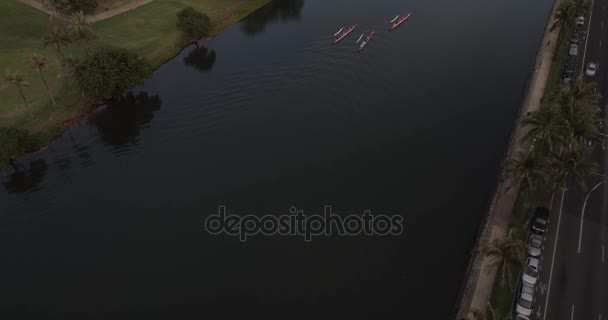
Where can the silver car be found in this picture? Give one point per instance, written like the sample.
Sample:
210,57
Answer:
534,245
525,302
580,21
591,69
530,275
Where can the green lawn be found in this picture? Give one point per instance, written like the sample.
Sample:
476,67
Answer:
555,73
148,30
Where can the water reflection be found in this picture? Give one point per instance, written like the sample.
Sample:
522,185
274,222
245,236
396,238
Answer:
27,179
201,58
276,10
120,123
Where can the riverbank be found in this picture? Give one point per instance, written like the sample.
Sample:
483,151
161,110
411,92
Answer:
148,30
478,285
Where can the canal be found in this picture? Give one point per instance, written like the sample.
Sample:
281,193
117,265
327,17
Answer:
105,223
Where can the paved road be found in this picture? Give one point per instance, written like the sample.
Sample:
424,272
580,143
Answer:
574,274
98,17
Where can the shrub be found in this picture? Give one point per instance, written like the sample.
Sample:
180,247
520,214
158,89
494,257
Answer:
193,23
107,73
13,143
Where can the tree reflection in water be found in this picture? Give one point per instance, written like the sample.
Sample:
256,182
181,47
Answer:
27,179
276,10
200,58
120,122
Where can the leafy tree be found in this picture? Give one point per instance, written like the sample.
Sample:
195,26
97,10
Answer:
107,73
17,79
70,6
82,5
58,38
193,23
503,254
13,143
39,63
81,30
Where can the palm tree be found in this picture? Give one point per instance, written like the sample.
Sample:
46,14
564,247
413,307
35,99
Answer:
573,163
546,124
582,7
16,78
578,104
39,63
503,254
58,38
81,29
526,170
564,19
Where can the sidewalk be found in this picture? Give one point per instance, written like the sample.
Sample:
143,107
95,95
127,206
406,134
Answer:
479,284
94,18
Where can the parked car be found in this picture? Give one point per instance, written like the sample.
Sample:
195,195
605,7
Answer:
566,80
535,244
541,219
591,69
530,275
571,62
569,72
525,302
576,37
521,317
580,21
573,50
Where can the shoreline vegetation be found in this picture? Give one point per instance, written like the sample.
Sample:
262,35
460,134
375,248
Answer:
553,144
41,96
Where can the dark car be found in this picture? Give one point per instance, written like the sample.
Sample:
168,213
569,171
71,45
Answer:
576,37
571,63
541,220
571,58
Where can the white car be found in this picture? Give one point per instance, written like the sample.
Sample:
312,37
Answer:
591,69
573,50
534,245
580,21
526,297
530,275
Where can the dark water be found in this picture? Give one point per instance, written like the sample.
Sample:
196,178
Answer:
106,222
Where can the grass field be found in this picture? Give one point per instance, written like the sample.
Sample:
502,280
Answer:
148,30
555,73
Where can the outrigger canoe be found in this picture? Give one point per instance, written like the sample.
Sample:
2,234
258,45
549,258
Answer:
343,33
369,37
398,21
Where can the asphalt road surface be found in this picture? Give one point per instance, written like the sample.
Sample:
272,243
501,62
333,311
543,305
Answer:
574,273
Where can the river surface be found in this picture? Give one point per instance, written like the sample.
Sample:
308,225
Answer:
105,223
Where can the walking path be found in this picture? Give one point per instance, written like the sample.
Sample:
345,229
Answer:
479,283
94,18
